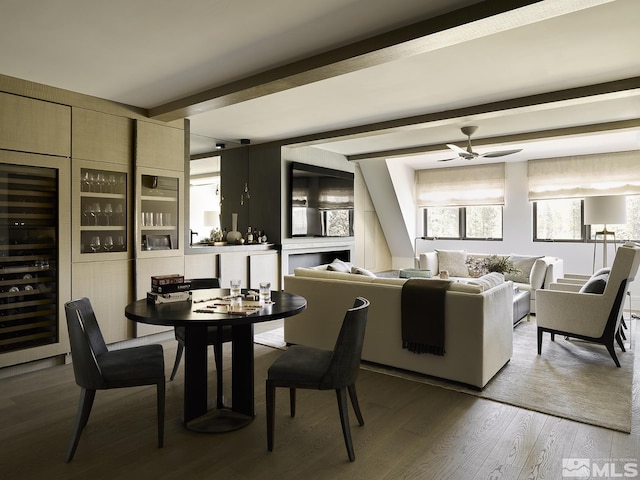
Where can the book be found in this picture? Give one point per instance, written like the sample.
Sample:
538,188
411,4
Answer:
154,297
167,279
171,287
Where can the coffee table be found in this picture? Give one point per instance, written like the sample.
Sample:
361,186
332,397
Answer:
521,305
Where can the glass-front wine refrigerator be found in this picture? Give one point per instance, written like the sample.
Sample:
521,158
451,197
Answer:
29,233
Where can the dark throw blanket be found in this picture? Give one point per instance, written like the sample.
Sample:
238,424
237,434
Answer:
422,314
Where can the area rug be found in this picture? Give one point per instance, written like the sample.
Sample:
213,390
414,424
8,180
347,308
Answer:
571,379
271,338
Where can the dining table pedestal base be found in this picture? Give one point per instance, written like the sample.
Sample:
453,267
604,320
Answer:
219,420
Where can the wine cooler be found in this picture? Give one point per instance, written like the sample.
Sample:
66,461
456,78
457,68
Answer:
29,230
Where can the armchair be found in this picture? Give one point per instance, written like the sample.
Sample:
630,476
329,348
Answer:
594,317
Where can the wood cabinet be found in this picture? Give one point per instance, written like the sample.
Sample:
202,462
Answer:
34,260
160,146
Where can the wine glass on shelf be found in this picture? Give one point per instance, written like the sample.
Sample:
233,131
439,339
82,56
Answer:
87,214
119,215
120,245
111,183
108,243
97,213
92,182
100,180
120,188
95,244
108,214
86,182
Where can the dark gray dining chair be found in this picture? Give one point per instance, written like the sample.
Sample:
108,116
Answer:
216,336
98,368
312,368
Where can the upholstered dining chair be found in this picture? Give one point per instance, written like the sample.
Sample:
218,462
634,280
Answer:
98,368
312,368
587,314
216,336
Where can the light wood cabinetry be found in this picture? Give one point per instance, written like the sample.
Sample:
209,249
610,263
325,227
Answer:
103,137
159,146
29,125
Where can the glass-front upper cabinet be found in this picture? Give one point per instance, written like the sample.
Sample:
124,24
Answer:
159,211
100,217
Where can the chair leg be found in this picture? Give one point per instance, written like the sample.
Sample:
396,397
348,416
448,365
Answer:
341,393
84,409
292,401
271,411
612,352
620,343
160,394
539,340
176,364
217,356
355,404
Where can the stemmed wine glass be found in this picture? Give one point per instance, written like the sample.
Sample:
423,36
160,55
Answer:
120,243
108,212
97,212
86,182
87,214
95,244
108,243
101,183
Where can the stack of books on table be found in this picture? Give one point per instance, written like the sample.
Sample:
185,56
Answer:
168,289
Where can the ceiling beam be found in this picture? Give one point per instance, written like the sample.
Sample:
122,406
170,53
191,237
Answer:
480,19
579,95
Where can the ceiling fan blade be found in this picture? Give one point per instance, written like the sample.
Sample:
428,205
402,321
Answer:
500,154
457,149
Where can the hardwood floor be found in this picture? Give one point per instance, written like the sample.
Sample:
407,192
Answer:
412,431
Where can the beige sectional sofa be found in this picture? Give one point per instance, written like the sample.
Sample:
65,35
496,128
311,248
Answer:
537,271
478,323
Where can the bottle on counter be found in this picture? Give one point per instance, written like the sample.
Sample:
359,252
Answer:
249,235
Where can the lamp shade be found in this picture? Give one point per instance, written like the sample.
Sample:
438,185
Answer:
605,210
211,218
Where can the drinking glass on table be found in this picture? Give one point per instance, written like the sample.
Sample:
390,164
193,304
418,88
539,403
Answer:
95,244
265,292
235,287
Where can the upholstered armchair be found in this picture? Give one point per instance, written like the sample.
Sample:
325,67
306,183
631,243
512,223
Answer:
588,316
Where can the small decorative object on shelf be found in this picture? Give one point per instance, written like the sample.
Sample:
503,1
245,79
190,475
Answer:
234,236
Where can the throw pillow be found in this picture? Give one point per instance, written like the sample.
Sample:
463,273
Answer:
362,271
488,281
538,274
453,261
524,264
595,284
339,266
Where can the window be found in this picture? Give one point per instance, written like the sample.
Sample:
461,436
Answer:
483,222
472,222
558,220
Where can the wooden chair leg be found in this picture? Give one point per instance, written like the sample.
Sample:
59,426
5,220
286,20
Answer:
271,411
539,340
292,401
82,417
160,394
176,364
217,356
612,352
341,393
354,402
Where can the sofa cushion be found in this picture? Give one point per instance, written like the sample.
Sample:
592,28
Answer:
524,264
330,274
538,273
453,261
362,271
339,266
595,284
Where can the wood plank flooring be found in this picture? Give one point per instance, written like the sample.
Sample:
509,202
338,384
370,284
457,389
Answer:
412,431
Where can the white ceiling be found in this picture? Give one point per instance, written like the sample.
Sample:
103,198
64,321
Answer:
149,53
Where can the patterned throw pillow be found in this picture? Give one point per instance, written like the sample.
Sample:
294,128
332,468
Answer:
476,266
339,266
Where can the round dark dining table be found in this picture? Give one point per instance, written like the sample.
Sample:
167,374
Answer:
197,415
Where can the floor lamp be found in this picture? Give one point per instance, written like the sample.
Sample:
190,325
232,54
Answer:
603,210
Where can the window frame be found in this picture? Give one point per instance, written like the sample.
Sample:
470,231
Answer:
462,225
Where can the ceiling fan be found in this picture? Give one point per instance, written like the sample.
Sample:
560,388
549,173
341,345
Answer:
469,154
